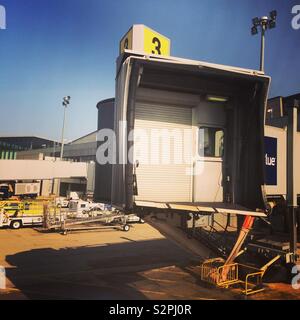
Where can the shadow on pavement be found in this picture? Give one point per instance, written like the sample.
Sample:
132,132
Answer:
109,271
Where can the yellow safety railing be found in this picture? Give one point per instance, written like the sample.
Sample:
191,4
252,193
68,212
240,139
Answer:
249,278
252,286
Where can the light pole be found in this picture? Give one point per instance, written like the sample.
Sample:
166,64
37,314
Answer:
66,102
264,23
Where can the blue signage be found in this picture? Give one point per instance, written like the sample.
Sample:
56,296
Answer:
271,161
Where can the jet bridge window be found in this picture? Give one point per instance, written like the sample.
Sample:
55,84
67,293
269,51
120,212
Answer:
211,142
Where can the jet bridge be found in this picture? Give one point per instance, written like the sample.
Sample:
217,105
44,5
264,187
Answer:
41,170
223,108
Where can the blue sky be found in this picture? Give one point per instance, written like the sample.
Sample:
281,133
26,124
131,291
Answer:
53,48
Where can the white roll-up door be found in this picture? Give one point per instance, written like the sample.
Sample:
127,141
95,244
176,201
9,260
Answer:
163,176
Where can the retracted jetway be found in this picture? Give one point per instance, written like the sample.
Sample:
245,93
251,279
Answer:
41,170
220,110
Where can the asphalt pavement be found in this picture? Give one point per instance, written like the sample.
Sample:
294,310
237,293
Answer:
139,264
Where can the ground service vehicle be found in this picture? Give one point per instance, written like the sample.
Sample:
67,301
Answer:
18,222
16,214
62,202
80,207
22,190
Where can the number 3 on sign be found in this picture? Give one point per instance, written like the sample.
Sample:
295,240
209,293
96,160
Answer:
155,43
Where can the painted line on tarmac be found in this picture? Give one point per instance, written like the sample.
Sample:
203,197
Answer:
153,292
161,280
169,271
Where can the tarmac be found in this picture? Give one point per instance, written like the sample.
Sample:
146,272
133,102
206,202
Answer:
140,264
152,261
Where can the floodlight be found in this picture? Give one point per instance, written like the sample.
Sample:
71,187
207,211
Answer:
65,102
263,24
272,24
254,31
264,20
255,22
67,99
273,15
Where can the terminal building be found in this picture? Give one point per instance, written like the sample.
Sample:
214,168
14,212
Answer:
11,145
277,110
81,150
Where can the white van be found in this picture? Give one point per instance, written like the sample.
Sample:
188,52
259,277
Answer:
80,208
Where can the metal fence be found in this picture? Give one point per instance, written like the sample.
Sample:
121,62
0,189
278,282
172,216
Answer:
247,278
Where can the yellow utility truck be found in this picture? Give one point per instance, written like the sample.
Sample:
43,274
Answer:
16,214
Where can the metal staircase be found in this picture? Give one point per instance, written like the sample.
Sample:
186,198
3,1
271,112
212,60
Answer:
216,237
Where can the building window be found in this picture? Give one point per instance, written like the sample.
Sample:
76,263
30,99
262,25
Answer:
211,142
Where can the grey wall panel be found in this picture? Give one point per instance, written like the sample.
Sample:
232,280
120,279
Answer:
103,173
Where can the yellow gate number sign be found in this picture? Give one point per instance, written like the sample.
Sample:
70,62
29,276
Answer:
155,43
145,40
126,42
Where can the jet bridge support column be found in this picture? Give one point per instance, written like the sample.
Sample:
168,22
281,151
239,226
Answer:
291,193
